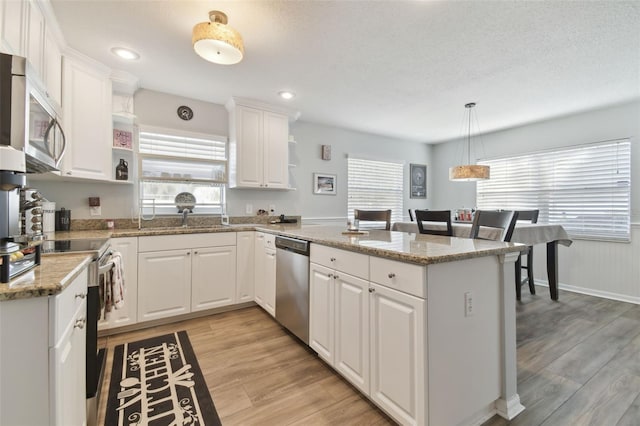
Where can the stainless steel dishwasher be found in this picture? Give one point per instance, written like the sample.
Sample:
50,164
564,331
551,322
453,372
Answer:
292,286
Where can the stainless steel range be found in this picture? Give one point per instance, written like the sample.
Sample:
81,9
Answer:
101,264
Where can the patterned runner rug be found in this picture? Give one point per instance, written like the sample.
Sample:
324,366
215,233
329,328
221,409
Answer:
157,381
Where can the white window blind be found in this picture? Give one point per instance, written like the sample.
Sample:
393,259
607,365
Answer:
586,188
375,185
172,162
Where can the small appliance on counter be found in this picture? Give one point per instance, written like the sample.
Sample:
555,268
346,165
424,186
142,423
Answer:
19,253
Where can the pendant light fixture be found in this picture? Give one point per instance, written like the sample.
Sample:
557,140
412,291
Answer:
469,172
217,42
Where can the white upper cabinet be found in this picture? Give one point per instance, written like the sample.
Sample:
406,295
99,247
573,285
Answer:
35,37
52,67
13,26
86,102
258,145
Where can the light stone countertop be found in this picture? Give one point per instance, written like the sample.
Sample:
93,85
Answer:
56,272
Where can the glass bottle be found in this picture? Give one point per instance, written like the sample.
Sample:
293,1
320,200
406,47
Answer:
122,170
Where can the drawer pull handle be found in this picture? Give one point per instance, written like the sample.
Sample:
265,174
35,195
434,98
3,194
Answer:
372,290
333,259
81,295
391,275
80,323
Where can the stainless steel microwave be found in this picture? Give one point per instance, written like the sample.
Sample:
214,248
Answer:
29,119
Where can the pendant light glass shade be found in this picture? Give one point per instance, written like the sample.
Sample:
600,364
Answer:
217,42
469,172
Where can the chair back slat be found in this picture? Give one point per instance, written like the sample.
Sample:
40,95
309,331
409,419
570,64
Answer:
433,221
528,215
504,220
374,216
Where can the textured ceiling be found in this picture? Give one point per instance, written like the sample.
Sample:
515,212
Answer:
397,68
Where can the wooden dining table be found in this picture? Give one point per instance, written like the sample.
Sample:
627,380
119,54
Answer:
529,234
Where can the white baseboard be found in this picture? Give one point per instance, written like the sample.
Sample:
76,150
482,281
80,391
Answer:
592,292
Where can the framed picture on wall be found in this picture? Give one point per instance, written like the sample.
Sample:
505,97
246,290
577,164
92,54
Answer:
324,183
418,181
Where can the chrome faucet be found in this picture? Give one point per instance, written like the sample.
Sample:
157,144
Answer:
185,213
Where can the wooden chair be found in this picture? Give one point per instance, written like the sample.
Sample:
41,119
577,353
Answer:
411,215
427,219
373,216
504,220
531,216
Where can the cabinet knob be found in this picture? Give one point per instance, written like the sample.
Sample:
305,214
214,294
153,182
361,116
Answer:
336,277
333,259
69,173
195,252
81,295
391,275
188,253
372,290
330,275
80,323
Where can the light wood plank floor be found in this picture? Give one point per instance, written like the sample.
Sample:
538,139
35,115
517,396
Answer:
578,364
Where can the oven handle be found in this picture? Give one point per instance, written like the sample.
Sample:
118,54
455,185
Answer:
105,268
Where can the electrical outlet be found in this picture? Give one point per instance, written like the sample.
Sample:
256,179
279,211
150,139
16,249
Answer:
468,304
248,209
272,209
95,211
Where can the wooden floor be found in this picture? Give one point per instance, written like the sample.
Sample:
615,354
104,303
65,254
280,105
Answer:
578,364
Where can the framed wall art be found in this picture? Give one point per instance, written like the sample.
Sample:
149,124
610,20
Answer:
324,183
418,181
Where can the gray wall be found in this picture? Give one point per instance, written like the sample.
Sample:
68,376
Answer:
620,121
159,109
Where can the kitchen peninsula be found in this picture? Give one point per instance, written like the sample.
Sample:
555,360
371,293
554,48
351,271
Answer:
423,325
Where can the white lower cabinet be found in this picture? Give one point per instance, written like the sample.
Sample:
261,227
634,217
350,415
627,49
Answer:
245,266
179,274
265,272
128,313
43,354
213,277
372,334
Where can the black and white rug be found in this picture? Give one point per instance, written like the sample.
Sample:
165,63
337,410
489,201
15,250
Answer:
157,381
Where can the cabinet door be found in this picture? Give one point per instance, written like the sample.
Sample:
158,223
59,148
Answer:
68,364
398,355
321,311
213,277
164,284
276,150
245,266
352,329
260,278
52,67
86,102
128,313
13,26
249,147
35,38
270,281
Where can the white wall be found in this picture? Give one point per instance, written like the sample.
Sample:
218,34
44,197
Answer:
593,267
159,109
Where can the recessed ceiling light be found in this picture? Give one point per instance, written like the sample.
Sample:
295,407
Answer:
125,53
287,95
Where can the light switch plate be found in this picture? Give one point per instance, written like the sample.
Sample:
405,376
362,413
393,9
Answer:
95,211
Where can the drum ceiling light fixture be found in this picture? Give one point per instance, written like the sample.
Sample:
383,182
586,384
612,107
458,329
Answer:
469,172
217,42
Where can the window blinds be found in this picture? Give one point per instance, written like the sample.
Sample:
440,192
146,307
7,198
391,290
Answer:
210,148
586,189
375,185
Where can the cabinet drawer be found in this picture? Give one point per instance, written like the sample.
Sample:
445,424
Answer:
401,276
63,306
355,264
270,241
186,241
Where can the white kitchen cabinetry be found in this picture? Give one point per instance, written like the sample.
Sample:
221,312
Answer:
13,26
52,67
43,356
245,266
178,274
213,277
258,145
265,272
339,311
86,102
35,37
127,314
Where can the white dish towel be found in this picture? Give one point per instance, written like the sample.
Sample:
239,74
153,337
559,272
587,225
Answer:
114,285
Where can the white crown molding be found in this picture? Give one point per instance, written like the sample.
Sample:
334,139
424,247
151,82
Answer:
234,101
124,82
51,22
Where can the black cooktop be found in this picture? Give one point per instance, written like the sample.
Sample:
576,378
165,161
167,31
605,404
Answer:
66,246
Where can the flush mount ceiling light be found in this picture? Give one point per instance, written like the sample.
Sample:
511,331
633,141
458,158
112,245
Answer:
124,53
469,172
287,95
217,42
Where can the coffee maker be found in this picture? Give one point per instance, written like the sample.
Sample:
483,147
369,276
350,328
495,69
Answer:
13,244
